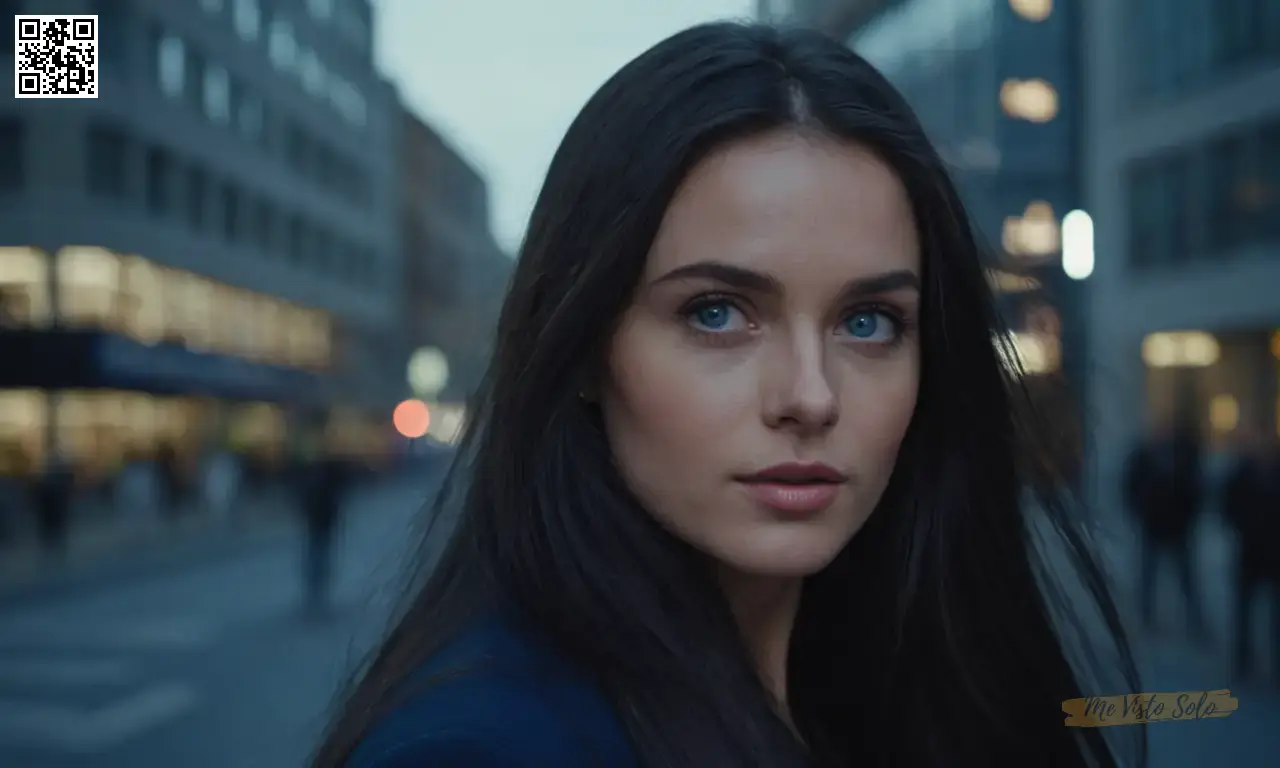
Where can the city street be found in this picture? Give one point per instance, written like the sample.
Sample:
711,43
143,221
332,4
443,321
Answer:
209,667
214,666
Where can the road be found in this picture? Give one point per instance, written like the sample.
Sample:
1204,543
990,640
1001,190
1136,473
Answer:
213,666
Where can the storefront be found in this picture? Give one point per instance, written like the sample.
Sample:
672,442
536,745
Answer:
1231,377
112,356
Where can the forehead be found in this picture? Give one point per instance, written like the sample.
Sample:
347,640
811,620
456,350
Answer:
784,200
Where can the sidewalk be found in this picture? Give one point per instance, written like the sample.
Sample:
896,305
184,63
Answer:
100,536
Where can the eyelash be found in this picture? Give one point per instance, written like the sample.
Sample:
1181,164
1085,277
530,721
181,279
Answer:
901,323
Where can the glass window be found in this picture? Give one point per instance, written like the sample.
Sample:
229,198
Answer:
249,115
247,17
24,288
263,226
1270,177
142,305
107,158
282,48
88,287
212,6
12,154
217,94
189,318
312,71
231,212
197,197
159,192
297,239
171,65
321,10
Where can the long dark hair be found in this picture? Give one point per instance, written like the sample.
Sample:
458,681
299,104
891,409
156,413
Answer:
934,637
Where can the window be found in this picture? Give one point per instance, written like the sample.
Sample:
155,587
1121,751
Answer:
263,226
1236,191
171,65
321,10
107,156
12,154
249,117
24,287
281,46
212,7
159,193
247,17
88,287
217,95
312,71
113,32
197,197
297,239
1270,175
231,213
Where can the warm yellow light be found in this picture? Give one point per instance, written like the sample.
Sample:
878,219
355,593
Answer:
1007,282
1035,233
1275,344
1182,349
1032,10
1224,413
1032,100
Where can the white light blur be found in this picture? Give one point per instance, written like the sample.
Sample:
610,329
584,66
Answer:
1077,245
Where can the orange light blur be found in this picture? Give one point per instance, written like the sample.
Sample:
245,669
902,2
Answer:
412,418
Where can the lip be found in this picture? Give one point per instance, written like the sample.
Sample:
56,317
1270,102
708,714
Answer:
795,489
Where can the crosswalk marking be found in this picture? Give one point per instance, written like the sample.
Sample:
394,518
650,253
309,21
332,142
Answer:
78,730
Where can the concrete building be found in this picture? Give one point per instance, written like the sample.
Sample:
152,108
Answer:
220,222
1183,180
456,274
994,84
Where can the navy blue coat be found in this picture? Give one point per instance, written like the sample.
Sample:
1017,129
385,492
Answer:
505,702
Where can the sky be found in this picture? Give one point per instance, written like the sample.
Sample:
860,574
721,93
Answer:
502,79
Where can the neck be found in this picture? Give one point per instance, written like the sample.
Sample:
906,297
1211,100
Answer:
765,609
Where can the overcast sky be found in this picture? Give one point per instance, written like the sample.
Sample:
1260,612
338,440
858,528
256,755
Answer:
502,79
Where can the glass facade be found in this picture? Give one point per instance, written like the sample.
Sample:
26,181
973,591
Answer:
130,295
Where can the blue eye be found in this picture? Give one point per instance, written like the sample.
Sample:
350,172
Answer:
713,316
869,325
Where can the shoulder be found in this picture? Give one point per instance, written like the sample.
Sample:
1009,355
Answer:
494,699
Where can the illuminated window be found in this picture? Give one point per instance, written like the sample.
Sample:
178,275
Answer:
142,307
24,288
1183,349
1032,10
1224,413
1033,100
88,287
1036,232
321,10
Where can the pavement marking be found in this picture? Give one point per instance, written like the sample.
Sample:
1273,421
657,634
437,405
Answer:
86,732
64,672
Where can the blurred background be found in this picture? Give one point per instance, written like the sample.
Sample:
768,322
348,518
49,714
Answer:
245,293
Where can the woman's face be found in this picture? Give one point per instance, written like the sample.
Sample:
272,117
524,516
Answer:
763,379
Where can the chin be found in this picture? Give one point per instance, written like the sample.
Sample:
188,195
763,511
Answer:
789,556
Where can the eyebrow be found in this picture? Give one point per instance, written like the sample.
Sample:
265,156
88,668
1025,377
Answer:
760,282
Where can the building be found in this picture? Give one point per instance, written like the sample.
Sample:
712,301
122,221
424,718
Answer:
994,83
209,246
1183,180
456,274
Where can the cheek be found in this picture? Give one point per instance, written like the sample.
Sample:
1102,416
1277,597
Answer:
667,409
876,411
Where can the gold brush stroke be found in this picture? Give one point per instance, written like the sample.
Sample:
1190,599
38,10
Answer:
1135,708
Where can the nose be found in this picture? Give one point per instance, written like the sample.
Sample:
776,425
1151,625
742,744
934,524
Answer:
800,396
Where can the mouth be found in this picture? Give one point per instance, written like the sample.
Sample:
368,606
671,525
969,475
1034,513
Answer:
795,490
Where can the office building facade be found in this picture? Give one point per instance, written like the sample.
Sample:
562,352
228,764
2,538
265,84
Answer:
994,83
456,274
1183,180
216,231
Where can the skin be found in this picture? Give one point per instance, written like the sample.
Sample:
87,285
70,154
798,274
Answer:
713,375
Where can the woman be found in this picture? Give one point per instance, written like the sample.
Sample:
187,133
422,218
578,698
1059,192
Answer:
745,484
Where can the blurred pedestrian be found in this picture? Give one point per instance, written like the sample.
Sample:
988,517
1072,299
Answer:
1251,506
1164,490
325,484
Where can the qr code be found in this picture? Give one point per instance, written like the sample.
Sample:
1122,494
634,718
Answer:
55,57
